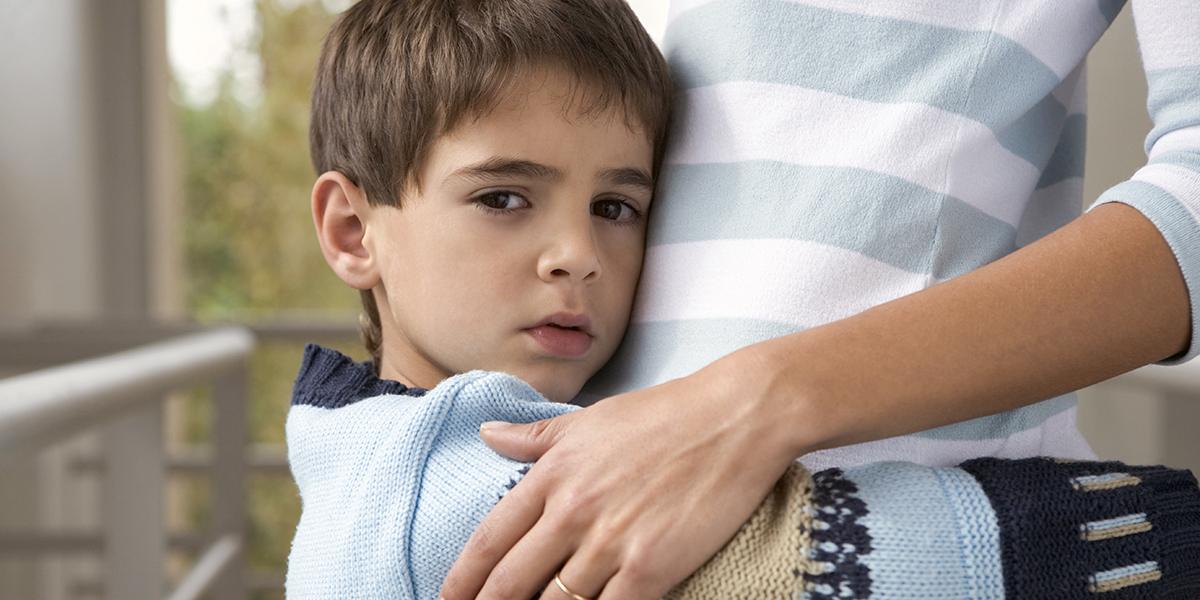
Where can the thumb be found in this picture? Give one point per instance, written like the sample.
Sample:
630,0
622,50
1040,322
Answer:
523,442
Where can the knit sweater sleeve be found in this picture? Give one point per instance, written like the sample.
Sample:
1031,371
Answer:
392,485
1167,189
1085,530
993,529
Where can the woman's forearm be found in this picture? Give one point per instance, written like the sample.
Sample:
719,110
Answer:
1100,297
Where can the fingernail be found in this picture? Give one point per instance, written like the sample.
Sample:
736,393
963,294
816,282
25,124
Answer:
492,426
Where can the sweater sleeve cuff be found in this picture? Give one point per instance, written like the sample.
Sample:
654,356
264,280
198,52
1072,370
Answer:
1160,202
1094,529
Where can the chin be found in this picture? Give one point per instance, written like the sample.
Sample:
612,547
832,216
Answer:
560,388
557,380
559,395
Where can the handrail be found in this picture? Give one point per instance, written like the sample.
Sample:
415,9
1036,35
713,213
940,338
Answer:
207,568
39,407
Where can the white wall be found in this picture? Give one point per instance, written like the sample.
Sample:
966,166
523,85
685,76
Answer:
653,14
73,133
48,245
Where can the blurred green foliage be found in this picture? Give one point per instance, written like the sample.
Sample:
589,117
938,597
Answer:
251,253
250,249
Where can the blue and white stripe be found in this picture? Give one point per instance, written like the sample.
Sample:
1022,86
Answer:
1115,579
1117,527
832,155
1108,481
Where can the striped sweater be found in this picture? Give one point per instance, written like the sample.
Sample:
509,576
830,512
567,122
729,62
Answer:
829,156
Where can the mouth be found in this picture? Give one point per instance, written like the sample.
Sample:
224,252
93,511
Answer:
566,321
563,335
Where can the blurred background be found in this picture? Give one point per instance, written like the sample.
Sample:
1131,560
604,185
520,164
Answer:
154,183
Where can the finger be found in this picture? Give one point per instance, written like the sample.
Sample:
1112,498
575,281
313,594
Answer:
548,548
622,586
529,566
523,442
510,520
587,572
558,589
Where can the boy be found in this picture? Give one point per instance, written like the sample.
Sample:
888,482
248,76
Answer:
486,172
487,168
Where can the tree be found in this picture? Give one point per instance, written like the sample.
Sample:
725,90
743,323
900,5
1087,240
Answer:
250,249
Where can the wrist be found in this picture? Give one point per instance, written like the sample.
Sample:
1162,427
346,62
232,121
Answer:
812,388
773,386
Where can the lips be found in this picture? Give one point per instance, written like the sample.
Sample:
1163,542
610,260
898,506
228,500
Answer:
563,335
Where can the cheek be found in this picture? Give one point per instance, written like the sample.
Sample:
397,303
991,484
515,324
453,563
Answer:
630,256
474,281
627,267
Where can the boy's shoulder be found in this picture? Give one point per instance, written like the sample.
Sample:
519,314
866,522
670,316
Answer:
395,473
330,379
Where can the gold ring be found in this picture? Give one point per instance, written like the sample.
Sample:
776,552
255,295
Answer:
562,586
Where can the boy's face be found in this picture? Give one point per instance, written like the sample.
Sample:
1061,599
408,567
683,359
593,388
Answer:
521,251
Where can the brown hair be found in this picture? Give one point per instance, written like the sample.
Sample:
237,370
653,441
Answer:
396,75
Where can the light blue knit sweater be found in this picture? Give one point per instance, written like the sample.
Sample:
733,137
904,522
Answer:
394,481
394,485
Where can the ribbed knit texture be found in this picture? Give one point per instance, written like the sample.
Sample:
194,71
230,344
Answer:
1100,530
765,560
392,486
839,540
932,535
328,379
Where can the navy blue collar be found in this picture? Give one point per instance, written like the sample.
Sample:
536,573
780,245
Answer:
330,379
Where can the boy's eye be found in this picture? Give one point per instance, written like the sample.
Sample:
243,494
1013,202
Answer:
614,210
502,200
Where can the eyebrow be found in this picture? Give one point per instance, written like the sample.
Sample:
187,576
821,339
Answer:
500,167
628,176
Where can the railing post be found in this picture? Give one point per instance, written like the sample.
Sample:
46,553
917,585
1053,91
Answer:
134,535
229,476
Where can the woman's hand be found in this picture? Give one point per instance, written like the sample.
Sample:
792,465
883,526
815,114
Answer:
628,496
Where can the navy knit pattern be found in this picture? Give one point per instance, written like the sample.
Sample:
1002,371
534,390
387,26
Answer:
329,379
1094,530
838,539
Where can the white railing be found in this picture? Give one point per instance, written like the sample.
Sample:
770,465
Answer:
122,392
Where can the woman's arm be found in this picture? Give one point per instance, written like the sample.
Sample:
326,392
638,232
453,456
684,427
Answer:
631,495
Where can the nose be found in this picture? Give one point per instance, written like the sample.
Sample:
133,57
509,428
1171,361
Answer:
571,254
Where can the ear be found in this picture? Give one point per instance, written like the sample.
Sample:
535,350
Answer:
341,213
